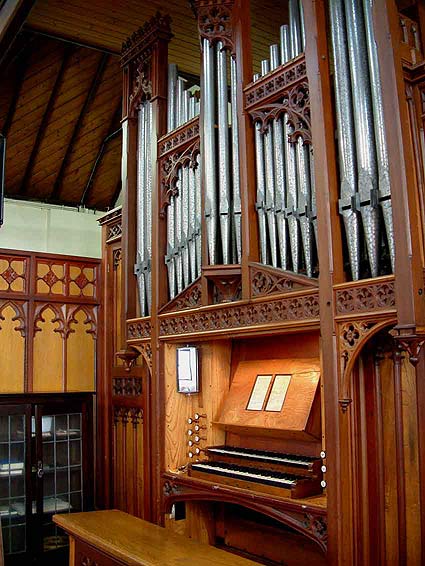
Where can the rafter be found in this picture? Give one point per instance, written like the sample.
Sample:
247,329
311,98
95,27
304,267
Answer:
68,51
14,13
90,96
21,67
112,132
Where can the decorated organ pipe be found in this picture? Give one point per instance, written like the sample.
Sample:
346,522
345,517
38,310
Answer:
365,192
183,213
284,165
221,154
144,207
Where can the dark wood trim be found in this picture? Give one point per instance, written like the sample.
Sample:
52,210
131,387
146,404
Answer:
117,192
14,14
113,131
330,260
68,51
91,93
22,65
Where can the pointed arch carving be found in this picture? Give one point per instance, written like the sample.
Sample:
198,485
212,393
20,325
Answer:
91,319
59,317
20,315
352,336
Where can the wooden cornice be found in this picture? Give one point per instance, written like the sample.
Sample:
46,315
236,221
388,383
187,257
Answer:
90,96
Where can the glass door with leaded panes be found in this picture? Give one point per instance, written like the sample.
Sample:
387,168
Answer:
60,470
15,481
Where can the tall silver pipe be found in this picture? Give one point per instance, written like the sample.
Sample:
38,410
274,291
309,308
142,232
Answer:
186,106
304,204
171,106
198,217
169,258
185,225
270,180
192,223
280,191
313,193
192,107
295,28
261,190
179,102
274,56
302,24
237,210
291,176
379,125
363,128
285,44
223,150
148,204
210,161
178,232
140,204
346,137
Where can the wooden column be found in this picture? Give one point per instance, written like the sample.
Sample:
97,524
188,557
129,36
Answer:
330,261
145,63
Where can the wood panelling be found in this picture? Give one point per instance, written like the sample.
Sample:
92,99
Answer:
214,383
48,353
48,322
81,351
12,348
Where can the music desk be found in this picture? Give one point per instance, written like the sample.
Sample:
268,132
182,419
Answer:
114,538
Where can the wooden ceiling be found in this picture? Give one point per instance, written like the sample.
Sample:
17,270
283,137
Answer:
60,93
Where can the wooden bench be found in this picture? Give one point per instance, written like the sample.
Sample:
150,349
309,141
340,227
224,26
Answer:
114,538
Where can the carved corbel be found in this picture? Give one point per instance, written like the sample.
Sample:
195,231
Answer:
215,21
409,340
128,356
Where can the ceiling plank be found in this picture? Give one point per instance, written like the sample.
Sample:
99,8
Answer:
68,51
90,95
13,16
21,67
112,132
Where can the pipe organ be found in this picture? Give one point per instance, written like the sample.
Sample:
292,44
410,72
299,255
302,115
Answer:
285,177
222,209
365,191
307,384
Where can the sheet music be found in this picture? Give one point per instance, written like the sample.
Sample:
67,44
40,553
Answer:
278,392
259,392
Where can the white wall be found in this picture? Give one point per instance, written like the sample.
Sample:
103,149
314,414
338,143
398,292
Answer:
39,227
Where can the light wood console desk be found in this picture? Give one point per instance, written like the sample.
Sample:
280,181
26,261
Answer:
114,538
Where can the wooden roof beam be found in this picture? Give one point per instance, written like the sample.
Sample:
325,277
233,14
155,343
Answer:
13,16
90,96
112,132
22,64
68,51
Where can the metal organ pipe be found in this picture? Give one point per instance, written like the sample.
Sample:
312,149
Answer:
346,140
185,224
364,167
379,125
363,129
237,210
295,28
148,203
172,83
140,260
223,151
178,232
209,151
198,230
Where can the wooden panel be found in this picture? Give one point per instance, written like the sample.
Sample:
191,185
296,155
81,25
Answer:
48,352
294,418
215,375
12,348
50,278
412,479
80,350
13,274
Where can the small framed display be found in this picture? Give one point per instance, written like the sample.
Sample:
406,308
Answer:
187,359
